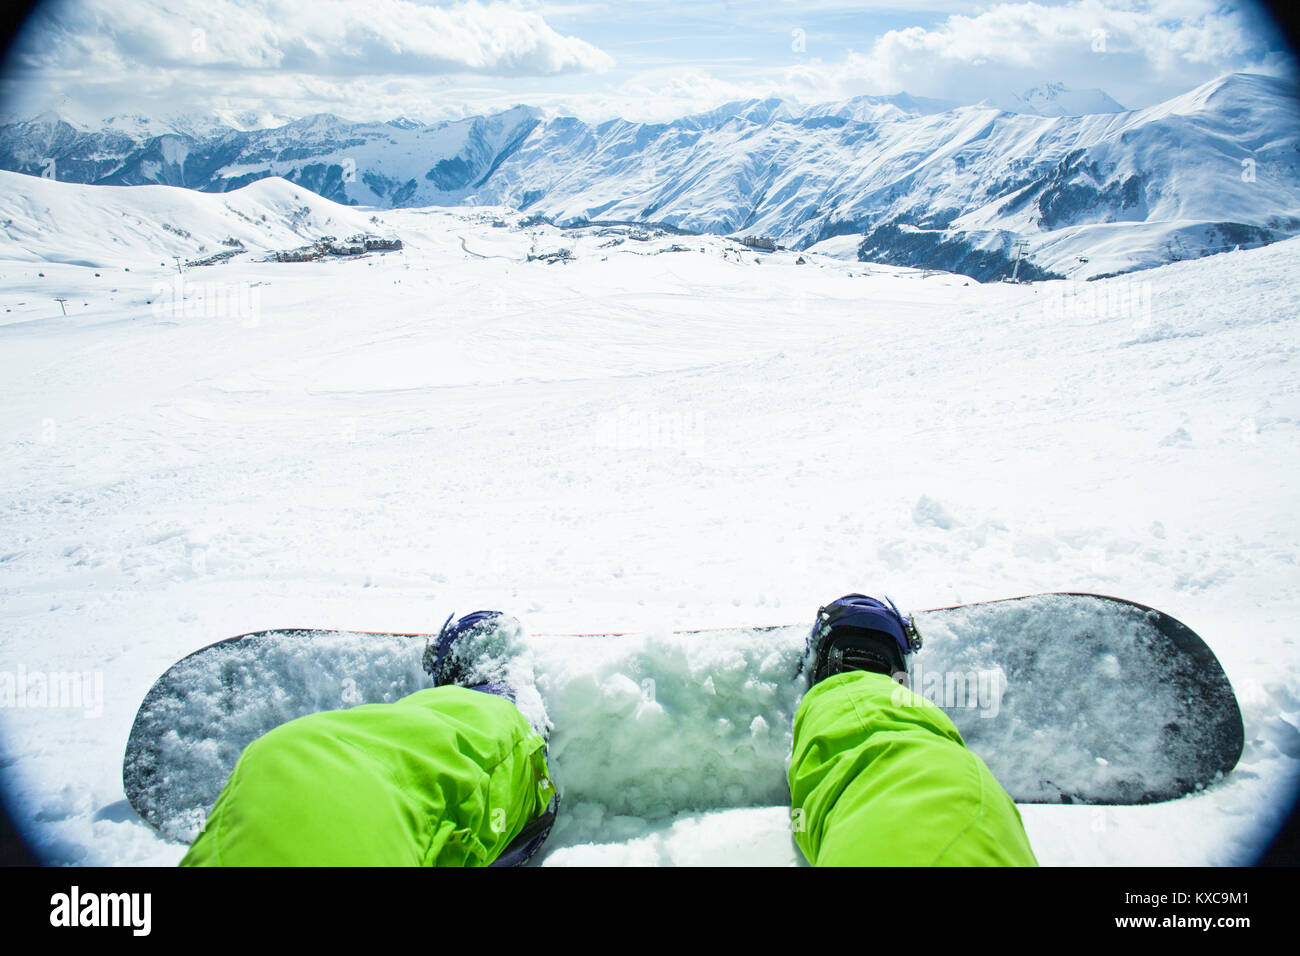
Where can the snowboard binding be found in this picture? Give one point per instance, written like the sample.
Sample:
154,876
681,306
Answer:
462,653
857,632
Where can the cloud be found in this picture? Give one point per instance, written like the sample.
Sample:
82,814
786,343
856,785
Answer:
1139,51
323,37
1134,48
373,59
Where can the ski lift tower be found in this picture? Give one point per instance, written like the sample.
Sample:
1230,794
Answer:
1022,248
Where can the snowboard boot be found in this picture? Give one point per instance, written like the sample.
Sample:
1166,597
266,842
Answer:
474,652
859,633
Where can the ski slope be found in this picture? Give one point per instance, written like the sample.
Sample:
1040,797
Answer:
632,438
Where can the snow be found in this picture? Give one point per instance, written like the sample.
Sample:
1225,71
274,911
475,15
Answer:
636,439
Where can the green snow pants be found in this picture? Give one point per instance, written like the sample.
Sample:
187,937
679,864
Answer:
444,777
880,776
448,777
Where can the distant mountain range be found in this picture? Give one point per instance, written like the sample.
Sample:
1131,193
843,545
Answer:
1094,188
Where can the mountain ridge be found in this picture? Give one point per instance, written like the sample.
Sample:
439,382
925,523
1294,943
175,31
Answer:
922,182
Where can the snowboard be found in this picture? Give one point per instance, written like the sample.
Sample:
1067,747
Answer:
1069,698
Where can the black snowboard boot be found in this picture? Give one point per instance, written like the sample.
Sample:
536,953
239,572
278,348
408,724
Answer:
859,633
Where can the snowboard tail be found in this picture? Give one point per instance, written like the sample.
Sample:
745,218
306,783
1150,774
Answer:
1069,698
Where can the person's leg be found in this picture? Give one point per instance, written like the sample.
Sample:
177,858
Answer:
444,777
880,776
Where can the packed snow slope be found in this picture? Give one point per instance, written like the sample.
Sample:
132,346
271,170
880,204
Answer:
1094,188
630,431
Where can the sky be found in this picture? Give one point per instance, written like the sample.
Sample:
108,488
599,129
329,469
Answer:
260,62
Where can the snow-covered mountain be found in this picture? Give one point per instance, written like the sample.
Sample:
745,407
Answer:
920,182
1056,99
194,126
396,163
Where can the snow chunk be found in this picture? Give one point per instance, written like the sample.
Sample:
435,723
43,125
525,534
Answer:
928,511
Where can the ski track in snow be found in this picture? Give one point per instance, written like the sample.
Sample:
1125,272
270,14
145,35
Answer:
708,437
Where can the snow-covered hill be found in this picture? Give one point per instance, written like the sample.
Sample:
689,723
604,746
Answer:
46,221
921,183
630,429
1056,99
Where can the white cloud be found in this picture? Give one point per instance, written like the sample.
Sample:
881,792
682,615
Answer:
374,59
1130,47
324,37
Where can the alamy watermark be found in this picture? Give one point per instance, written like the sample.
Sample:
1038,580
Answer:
979,690
72,690
1118,298
75,908
649,428
182,299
